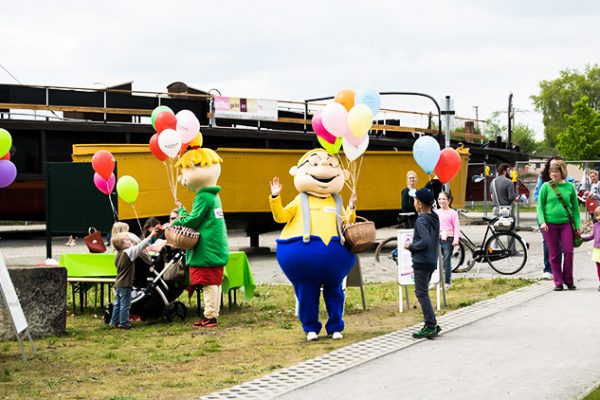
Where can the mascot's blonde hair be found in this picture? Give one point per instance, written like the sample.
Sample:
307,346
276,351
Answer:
202,156
311,152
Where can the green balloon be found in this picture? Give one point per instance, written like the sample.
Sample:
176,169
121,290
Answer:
332,149
5,142
128,189
157,110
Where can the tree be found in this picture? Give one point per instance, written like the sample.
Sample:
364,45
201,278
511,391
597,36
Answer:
493,127
524,137
557,98
581,138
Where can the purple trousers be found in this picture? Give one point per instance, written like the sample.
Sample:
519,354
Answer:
560,235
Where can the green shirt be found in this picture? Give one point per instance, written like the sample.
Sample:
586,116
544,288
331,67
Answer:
551,211
207,218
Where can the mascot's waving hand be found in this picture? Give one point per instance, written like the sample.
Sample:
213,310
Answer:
310,250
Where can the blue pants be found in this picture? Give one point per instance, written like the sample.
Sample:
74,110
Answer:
312,265
120,313
447,248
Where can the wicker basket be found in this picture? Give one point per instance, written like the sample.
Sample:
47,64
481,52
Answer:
181,237
360,236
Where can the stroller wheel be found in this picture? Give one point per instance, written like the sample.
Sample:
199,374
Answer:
175,310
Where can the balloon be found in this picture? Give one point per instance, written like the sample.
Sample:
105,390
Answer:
169,142
370,98
353,152
448,165
6,157
360,120
334,118
103,163
156,111
317,125
8,173
104,185
128,189
187,125
5,142
197,141
165,120
426,151
183,148
345,97
156,151
332,149
353,140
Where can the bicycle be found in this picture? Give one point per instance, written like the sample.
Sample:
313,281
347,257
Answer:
503,250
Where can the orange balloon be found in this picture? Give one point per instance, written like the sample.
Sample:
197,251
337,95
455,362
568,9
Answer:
346,98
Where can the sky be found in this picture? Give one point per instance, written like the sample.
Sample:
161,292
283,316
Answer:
475,51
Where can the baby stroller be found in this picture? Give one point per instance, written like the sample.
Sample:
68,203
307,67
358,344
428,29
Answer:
164,285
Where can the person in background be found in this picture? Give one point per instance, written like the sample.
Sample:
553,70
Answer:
543,178
449,233
408,202
503,190
436,186
596,237
424,252
149,226
591,191
127,253
555,223
143,262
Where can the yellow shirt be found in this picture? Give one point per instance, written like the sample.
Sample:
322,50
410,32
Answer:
323,222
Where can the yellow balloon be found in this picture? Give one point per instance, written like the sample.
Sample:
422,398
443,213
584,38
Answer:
360,120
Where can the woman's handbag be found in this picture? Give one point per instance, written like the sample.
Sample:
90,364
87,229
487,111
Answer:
94,241
577,240
360,236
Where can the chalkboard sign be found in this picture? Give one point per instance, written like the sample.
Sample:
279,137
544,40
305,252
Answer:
11,300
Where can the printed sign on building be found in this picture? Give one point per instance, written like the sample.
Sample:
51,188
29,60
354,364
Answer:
239,108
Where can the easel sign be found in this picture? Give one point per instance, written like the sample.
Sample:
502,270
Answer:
406,275
13,306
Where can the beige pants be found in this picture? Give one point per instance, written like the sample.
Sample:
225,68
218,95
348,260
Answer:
212,300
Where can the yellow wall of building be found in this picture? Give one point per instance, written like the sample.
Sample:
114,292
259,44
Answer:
246,174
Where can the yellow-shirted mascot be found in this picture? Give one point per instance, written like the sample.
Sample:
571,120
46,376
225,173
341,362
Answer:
310,249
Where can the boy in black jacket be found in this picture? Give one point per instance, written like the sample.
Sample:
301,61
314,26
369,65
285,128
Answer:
425,248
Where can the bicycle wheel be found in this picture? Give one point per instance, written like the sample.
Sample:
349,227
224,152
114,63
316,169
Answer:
387,260
506,253
458,258
386,243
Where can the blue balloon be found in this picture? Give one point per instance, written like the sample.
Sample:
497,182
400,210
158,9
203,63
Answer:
426,151
370,98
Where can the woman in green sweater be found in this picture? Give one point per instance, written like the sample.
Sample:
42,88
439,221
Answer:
555,223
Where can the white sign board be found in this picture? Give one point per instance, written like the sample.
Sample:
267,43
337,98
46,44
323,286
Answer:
10,298
240,108
406,275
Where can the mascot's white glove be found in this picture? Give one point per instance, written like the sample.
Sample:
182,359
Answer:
275,187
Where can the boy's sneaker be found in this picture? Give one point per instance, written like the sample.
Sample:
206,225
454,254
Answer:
438,329
206,323
310,336
337,336
426,332
126,327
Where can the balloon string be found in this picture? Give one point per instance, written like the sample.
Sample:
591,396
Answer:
137,218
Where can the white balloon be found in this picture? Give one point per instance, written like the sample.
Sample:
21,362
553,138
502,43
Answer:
169,142
188,125
353,152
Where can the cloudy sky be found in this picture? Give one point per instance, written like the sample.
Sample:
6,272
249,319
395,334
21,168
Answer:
475,51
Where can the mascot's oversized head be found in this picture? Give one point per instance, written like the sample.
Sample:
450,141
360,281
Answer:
200,168
319,174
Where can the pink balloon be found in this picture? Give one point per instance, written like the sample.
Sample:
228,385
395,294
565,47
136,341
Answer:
103,185
317,125
335,119
188,125
353,140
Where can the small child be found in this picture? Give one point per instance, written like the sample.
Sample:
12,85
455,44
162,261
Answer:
449,233
596,236
425,248
125,262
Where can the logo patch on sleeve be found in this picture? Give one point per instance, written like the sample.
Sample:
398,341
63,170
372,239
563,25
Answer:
219,213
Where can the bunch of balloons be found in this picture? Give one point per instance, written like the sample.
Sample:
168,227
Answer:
346,122
8,171
103,164
445,163
174,133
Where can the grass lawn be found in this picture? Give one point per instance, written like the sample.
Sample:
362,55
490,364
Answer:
157,360
595,395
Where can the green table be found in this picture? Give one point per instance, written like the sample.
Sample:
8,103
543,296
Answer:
237,275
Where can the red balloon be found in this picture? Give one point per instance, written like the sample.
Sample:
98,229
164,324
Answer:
155,149
184,147
317,125
165,120
103,163
6,157
448,165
